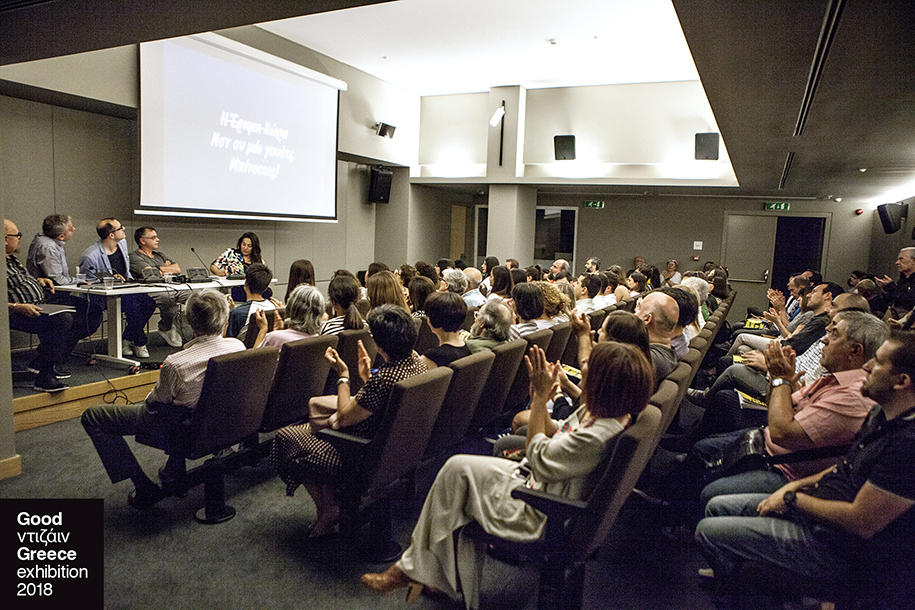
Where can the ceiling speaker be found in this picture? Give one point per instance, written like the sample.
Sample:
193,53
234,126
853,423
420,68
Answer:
564,148
707,146
892,216
384,130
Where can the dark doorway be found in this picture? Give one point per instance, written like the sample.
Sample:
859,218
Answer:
798,246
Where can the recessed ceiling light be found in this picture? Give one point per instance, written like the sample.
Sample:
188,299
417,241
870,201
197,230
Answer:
862,170
384,57
552,41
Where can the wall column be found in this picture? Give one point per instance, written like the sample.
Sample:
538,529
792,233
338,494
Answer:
510,231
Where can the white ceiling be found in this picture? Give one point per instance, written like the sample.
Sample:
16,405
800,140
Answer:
434,47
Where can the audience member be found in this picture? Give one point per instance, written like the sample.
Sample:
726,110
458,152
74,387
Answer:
533,273
257,279
148,258
420,289
637,283
489,263
445,313
301,271
852,519
874,295
304,313
502,283
519,276
343,292
637,262
426,270
301,458
560,265
109,254
688,307
659,312
592,265
491,327
167,407
670,276
25,295
900,295
512,263
527,300
382,288
472,296
556,305
560,459
454,281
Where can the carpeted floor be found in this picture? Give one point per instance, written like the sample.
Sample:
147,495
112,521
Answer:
260,559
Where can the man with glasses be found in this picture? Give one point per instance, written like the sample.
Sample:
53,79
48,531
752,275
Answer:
109,254
25,295
147,257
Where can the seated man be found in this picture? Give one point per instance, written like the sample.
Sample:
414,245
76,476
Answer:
47,258
25,294
491,327
109,254
257,279
842,520
171,401
453,280
825,414
472,296
587,288
147,257
659,312
688,308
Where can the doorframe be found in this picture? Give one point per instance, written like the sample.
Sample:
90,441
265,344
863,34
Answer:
476,227
827,229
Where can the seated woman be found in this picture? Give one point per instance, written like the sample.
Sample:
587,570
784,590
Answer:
234,261
637,283
557,305
445,312
343,292
502,283
304,313
670,276
301,458
561,459
420,289
527,300
300,272
621,292
491,326
382,288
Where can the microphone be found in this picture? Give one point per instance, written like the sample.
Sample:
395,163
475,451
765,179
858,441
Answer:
202,264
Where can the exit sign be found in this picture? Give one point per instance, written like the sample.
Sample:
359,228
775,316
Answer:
597,205
778,205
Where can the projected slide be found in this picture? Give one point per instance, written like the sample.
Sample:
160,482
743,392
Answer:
223,132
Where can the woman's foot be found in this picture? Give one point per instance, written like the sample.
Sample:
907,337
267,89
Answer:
387,581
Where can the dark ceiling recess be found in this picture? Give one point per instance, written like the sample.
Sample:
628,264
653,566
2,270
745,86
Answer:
824,41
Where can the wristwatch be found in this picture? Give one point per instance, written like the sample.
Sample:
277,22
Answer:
789,498
780,381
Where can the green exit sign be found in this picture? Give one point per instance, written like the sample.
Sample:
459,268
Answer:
778,205
596,205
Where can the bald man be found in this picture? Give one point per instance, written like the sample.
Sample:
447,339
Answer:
659,313
560,265
473,297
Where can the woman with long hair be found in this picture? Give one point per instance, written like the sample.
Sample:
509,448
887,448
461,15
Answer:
234,261
420,289
382,288
560,459
301,271
637,283
502,283
621,292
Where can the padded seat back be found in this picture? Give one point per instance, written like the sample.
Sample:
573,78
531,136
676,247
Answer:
470,375
300,374
667,400
508,357
693,358
558,341
232,402
596,318
403,434
469,318
425,338
347,347
630,454
518,392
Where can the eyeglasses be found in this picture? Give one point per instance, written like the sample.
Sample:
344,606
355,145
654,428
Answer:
16,235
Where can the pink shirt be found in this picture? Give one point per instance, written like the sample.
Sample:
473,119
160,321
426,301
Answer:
830,412
277,338
181,376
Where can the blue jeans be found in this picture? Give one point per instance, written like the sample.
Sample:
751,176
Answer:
752,481
732,533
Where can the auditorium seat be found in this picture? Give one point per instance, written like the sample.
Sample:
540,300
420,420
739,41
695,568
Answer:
347,347
425,338
518,392
558,341
508,357
575,529
373,468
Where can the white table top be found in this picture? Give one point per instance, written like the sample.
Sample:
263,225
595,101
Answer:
141,288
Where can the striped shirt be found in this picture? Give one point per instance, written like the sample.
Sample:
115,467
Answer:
181,376
334,326
21,286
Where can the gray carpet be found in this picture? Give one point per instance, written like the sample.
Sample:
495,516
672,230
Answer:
260,559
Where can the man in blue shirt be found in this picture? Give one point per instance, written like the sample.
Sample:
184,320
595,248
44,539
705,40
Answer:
109,254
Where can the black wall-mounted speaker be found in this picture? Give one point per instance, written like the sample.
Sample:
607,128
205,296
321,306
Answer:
380,184
892,216
707,146
564,148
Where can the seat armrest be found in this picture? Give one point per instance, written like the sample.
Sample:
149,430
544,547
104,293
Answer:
345,443
553,506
